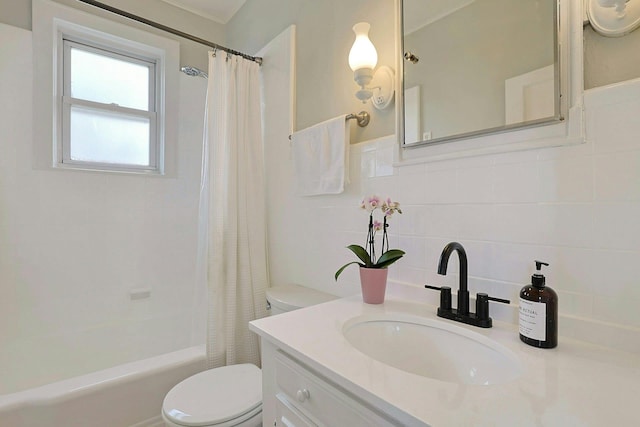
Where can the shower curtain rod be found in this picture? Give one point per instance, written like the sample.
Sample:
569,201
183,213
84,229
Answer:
169,29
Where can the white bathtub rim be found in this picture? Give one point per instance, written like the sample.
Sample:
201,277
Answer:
67,389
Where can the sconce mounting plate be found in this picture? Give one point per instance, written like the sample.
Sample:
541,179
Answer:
382,86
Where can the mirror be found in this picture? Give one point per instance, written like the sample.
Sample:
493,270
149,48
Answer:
475,67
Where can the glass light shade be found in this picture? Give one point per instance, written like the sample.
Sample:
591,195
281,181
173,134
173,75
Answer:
363,53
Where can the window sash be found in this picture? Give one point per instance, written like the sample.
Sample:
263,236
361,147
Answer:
67,102
115,110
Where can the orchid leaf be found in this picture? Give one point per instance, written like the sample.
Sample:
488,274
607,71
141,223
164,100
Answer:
362,254
389,257
345,266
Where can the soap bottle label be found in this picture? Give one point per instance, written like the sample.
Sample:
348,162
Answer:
532,319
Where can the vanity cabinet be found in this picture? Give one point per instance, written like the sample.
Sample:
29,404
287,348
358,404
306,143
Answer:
296,396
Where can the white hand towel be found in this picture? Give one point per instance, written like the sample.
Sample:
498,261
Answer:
321,158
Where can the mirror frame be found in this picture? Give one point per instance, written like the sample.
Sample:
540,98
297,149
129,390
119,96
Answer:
565,128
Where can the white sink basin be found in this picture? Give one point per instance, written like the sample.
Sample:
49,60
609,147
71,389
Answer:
433,348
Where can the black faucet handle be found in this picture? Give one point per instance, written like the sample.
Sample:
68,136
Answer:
482,305
494,299
445,296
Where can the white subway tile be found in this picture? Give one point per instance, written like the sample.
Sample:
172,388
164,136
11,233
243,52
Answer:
442,220
527,156
614,127
475,185
575,304
433,249
566,179
384,161
567,224
414,220
477,221
571,269
450,279
514,263
617,176
618,226
415,251
516,182
584,148
437,187
386,186
517,223
495,289
410,275
417,169
616,274
410,190
479,258
368,163
616,310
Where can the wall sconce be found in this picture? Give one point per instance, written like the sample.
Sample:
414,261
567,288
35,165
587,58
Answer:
614,18
362,60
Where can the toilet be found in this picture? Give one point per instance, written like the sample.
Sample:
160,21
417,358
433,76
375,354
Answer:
231,396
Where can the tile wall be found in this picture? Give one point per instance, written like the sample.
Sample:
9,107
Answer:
577,208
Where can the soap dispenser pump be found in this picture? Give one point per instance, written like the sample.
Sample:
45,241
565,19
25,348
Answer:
539,312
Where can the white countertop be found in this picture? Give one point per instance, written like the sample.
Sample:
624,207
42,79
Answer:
575,384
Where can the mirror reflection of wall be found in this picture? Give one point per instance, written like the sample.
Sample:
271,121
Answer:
471,52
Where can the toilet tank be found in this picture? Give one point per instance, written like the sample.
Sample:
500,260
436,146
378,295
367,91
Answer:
284,298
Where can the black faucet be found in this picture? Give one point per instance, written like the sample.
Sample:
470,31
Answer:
461,313
463,292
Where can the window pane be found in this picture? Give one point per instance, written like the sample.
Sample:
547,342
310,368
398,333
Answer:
109,80
108,137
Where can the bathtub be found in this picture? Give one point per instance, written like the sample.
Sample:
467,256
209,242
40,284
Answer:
127,395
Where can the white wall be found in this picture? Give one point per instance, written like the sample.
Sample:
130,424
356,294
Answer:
609,60
73,244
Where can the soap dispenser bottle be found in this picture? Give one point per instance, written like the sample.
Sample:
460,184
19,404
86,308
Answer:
539,312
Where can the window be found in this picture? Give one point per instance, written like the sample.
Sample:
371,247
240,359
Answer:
106,94
108,108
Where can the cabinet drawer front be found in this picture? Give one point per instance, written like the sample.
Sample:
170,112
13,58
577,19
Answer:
288,416
318,400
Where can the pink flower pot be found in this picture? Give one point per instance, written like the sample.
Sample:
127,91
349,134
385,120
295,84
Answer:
373,282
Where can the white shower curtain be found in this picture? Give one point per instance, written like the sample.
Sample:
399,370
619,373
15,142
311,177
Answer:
232,225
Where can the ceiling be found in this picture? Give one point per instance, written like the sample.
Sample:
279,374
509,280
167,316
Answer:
217,10
424,13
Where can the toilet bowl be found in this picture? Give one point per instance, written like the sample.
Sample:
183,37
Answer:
224,397
231,396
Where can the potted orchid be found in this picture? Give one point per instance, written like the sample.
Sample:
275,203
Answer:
373,270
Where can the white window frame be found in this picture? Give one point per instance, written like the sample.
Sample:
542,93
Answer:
67,102
52,24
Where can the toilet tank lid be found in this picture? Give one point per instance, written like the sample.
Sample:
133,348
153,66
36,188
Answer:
291,297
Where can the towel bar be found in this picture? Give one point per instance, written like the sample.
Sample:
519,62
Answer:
362,118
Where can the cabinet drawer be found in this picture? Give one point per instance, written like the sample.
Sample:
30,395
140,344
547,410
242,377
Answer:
321,402
287,416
